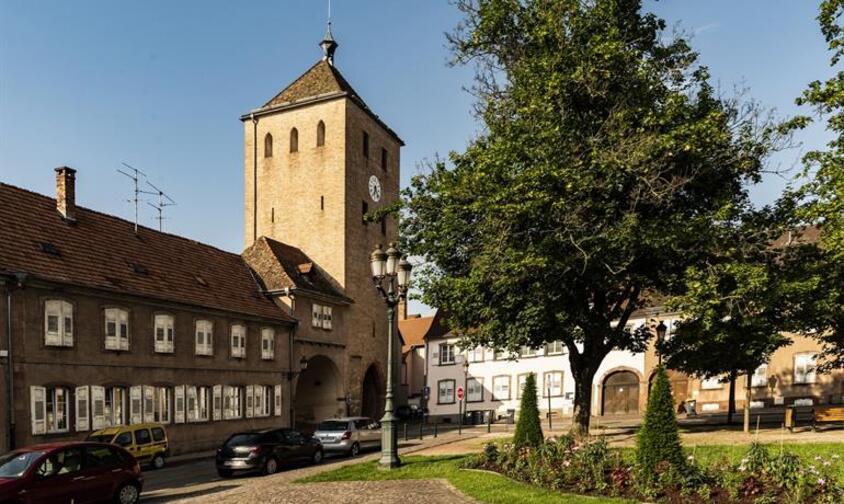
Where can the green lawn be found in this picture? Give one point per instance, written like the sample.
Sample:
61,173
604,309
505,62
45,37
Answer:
484,487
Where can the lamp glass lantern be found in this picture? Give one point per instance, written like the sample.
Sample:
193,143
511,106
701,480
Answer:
661,329
403,272
393,256
378,261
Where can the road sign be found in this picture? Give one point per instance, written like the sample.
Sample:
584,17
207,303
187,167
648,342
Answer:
460,393
426,392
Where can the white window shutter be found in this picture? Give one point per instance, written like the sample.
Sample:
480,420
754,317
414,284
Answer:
316,315
179,401
97,407
250,392
82,409
218,402
277,400
326,317
38,403
190,401
149,404
136,404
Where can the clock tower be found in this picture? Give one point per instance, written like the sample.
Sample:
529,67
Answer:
317,161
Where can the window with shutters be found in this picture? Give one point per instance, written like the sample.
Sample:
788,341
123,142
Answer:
553,384
267,343
136,402
58,323
191,409
238,341
115,406
116,329
316,315
179,404
149,403
217,403
204,337
164,333
805,368
501,388
263,400
445,392
57,409
250,401
38,409
203,396
97,407
161,405
474,390
327,317
277,410
232,402
82,409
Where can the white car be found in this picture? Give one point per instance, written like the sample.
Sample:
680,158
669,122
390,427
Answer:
348,435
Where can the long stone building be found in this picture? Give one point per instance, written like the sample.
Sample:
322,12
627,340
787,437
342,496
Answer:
106,324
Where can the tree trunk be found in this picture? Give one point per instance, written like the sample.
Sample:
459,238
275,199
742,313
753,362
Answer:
583,379
731,402
748,397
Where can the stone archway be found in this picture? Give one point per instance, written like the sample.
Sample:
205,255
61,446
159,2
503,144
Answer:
620,394
319,392
372,395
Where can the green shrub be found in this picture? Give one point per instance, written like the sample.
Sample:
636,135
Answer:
528,428
658,440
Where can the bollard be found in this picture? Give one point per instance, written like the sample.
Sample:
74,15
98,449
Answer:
405,431
435,428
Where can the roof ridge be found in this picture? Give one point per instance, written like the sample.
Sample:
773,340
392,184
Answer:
126,221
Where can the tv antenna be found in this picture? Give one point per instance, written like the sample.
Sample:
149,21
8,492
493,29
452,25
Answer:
163,201
135,177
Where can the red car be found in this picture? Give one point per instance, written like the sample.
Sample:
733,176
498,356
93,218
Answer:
65,473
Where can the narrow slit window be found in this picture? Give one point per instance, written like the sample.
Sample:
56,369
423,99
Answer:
294,140
320,134
384,159
365,144
268,146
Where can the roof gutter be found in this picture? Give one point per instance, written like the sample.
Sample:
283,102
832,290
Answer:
310,293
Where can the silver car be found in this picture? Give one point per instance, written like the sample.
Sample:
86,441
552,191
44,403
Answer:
349,435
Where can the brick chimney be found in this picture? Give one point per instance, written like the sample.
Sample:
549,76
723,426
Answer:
66,192
403,309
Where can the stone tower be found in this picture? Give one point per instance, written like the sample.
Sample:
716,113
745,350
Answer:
316,160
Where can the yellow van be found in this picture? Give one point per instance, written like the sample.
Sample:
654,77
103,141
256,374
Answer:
147,442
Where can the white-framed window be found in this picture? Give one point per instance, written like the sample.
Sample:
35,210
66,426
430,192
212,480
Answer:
327,317
149,404
115,401
526,351
321,316
476,354
203,396
805,368
136,401
520,384
262,400
250,401
179,404
50,409
191,408
267,343
204,337
445,392
217,409
58,323
501,388
277,410
713,383
97,407
238,341
161,405
82,410
760,376
232,402
316,315
554,348
116,329
164,325
553,384
474,389
446,354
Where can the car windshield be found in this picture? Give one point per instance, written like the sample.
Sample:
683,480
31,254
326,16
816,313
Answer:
101,438
333,425
13,465
243,440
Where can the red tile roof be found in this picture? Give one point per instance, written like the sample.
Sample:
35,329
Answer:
414,331
103,252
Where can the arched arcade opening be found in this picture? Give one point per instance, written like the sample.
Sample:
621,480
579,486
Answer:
319,392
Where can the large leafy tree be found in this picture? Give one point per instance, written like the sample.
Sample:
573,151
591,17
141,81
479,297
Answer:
604,160
737,305
822,198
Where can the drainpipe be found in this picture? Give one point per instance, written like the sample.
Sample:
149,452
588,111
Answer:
291,336
20,279
254,177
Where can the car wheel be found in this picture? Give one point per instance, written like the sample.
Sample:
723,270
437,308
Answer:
127,494
355,451
270,466
158,461
317,457
224,473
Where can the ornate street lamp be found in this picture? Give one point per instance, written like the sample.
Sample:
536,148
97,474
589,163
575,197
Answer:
393,269
661,329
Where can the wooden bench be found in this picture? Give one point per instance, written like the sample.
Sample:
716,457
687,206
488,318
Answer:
827,414
792,412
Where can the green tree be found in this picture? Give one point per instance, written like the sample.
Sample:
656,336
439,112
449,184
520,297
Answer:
736,306
528,429
605,157
658,439
821,200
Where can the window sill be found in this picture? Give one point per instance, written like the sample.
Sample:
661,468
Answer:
446,403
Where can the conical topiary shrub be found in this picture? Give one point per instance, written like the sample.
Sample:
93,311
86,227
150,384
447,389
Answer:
528,428
658,439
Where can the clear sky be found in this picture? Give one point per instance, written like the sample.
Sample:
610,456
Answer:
160,85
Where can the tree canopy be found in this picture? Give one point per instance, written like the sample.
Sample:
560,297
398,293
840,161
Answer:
606,156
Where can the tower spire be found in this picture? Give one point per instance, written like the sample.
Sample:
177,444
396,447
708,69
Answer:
328,44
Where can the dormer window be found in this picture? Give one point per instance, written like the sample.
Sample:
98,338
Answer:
116,329
58,323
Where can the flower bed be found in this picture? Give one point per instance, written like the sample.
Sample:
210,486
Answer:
590,467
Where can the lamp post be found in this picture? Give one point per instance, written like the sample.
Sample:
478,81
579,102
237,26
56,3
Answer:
661,329
464,402
392,269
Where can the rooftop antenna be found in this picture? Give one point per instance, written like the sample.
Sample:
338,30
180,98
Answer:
163,201
135,179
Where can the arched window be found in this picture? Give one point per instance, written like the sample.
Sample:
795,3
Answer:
268,146
294,140
320,134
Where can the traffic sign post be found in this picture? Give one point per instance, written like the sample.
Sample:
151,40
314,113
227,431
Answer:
460,410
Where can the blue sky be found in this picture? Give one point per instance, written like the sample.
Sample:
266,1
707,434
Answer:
161,84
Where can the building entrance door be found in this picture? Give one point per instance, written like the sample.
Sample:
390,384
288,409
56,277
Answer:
621,394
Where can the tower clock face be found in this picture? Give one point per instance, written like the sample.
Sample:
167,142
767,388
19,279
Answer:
374,188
